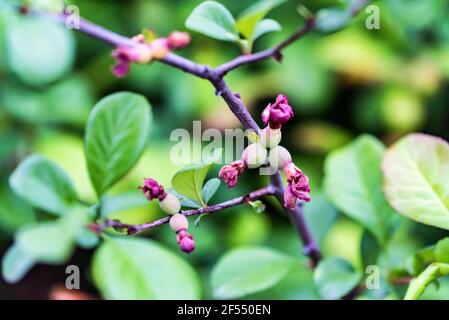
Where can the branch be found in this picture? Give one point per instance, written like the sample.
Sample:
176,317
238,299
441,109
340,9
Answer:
136,228
215,76
274,52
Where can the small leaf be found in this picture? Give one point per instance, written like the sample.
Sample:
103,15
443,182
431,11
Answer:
252,136
266,26
248,21
209,189
416,179
43,184
258,206
353,183
333,19
335,277
214,20
189,181
248,270
133,268
46,5
51,242
420,260
15,264
116,134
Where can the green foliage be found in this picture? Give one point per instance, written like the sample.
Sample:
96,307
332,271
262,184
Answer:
209,189
142,269
417,179
116,134
189,181
335,277
15,264
248,270
43,184
39,51
353,182
51,241
14,212
214,20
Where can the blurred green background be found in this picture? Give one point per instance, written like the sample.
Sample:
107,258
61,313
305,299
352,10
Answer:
386,82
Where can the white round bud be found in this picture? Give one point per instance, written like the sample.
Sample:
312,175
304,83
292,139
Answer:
170,204
178,222
255,155
270,138
279,157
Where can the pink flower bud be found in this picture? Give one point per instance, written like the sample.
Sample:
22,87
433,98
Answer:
255,155
278,113
289,199
230,172
298,185
160,48
178,222
153,190
124,56
185,241
279,157
178,40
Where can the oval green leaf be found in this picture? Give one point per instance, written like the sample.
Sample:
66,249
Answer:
248,270
125,268
214,20
116,134
353,183
210,188
416,179
43,184
335,277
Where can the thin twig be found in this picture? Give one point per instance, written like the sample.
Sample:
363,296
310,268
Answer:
136,228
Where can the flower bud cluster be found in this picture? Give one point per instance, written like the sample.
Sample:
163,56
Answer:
171,205
268,150
144,52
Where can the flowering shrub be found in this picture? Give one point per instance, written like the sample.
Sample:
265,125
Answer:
376,187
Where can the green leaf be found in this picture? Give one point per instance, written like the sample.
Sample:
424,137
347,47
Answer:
333,19
189,181
258,206
320,216
116,134
54,241
335,277
353,183
14,212
416,179
248,270
209,189
420,260
43,184
214,20
15,264
266,26
39,51
133,268
442,251
249,23
370,249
